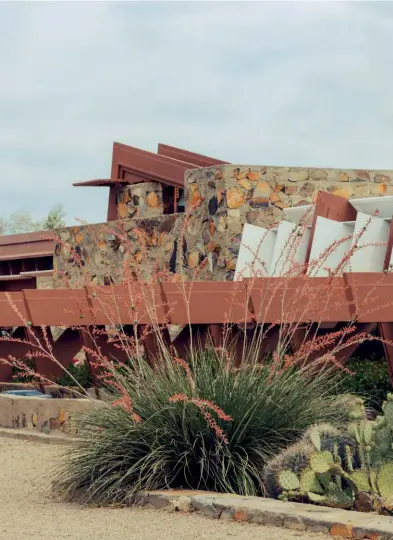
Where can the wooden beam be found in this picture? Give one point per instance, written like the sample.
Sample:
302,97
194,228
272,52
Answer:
190,157
155,167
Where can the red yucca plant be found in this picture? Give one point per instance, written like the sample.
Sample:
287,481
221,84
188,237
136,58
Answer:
201,410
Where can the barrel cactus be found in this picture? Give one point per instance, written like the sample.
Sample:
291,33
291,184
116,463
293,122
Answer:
332,437
294,458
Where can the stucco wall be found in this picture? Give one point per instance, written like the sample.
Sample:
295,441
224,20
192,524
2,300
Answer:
43,415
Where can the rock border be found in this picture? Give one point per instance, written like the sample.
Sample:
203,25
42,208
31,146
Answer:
290,515
270,512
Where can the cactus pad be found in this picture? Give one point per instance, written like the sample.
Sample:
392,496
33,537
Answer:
288,480
349,458
339,499
367,432
309,482
361,479
373,480
314,497
385,480
325,479
321,462
388,412
315,439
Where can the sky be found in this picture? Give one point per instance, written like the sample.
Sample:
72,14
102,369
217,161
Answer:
264,83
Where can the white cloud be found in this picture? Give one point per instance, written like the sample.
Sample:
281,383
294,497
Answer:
281,83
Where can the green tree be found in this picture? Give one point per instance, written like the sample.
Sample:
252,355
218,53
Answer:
23,222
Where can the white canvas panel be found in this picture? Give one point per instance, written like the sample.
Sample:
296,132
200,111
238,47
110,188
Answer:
370,258
256,252
327,232
289,250
299,214
369,205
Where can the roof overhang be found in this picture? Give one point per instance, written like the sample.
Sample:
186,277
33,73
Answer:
132,165
26,246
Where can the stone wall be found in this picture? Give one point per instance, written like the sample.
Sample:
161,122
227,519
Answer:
224,198
152,245
245,194
228,196
140,201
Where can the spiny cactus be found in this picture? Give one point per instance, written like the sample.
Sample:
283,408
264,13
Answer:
362,479
288,480
321,482
382,444
331,437
353,406
310,482
387,409
294,458
339,469
363,432
385,480
321,462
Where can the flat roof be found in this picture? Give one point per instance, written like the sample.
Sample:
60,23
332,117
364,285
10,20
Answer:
167,166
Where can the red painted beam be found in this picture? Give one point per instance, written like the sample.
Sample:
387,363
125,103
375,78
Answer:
166,170
190,157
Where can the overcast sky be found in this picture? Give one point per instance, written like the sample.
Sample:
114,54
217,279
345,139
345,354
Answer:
274,83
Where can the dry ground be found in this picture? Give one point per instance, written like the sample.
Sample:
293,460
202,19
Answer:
27,510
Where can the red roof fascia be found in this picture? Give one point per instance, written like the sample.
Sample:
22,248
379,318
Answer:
166,167
26,245
184,155
161,168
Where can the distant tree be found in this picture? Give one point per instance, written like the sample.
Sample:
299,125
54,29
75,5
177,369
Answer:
55,219
22,222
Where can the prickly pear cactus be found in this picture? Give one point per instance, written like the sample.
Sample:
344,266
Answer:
326,437
321,462
353,406
309,482
288,480
361,479
387,409
316,498
385,480
315,438
343,469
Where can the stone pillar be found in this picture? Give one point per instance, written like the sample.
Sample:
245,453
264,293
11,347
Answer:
140,201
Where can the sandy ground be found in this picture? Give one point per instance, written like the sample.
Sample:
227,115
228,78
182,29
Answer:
27,510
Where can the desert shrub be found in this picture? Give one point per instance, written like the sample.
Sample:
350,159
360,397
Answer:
81,374
25,375
370,380
203,425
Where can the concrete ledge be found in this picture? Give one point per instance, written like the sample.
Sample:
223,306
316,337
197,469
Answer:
26,435
43,415
295,516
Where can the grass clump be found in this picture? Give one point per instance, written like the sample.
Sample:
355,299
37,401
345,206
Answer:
201,425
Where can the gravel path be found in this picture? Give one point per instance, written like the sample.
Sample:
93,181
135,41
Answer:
27,511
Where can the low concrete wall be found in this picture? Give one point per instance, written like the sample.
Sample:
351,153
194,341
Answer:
54,390
43,415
